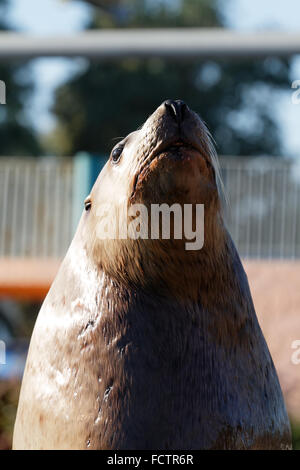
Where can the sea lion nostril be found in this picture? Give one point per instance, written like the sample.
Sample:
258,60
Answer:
176,108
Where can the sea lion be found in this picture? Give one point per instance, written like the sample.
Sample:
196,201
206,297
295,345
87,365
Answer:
142,343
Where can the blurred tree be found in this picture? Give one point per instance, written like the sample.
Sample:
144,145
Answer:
16,136
103,3
111,98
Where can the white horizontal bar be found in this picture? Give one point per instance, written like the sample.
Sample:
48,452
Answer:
180,42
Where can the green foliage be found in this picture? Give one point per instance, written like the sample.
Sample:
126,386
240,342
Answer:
111,98
296,435
159,13
16,136
3,6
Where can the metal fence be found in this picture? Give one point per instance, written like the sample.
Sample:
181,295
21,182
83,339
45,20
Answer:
263,214
37,202
35,207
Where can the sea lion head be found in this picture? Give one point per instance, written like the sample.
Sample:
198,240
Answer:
175,158
169,160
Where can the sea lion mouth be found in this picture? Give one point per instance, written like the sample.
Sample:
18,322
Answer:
176,148
173,146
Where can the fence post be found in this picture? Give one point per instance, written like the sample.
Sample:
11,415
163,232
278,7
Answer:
2,92
97,163
2,352
81,185
85,171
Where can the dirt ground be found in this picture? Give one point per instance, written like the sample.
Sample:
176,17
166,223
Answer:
275,287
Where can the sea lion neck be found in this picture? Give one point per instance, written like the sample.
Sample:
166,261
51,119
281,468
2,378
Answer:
184,297
159,266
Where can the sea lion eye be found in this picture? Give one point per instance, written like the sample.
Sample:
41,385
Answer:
116,153
87,204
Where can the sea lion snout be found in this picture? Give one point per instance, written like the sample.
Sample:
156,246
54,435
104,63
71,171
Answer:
177,109
173,121
175,124
175,157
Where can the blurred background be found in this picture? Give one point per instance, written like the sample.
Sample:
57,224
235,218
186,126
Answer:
64,111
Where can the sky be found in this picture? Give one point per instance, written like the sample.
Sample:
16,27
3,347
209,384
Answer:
53,17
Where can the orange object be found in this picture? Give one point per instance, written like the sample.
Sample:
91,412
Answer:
27,279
